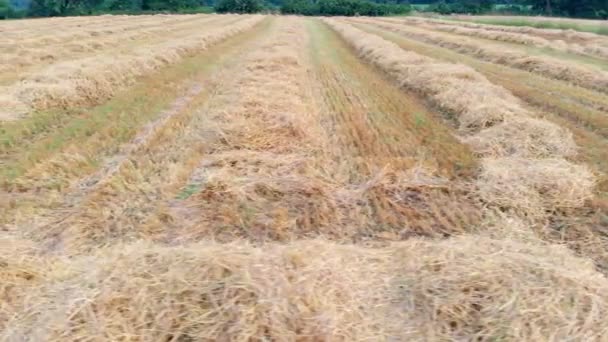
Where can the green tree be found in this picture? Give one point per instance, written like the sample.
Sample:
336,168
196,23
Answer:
5,9
305,7
169,5
238,6
463,6
342,7
122,5
49,8
571,8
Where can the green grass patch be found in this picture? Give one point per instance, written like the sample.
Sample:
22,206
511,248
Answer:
188,191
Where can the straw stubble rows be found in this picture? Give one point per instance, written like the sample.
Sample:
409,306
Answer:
301,179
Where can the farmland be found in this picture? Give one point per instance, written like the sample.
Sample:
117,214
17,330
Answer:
593,26
257,177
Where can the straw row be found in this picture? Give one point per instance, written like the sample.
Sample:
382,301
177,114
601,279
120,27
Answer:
457,289
528,36
93,79
580,75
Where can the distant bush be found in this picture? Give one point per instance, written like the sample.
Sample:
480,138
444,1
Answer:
238,6
121,5
8,12
514,10
462,7
51,8
343,8
4,9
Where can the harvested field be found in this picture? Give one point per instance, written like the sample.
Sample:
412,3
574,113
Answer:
225,177
566,41
587,76
89,80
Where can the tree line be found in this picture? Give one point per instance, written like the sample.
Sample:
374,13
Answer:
343,7
51,8
597,9
572,8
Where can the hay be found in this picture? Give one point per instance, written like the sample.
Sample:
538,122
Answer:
480,289
524,137
556,34
33,47
11,108
459,289
205,292
20,271
272,172
496,125
542,39
584,76
275,207
271,176
457,88
91,80
535,186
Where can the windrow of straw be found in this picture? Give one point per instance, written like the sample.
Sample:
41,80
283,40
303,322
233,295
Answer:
577,74
20,54
543,39
466,288
33,33
581,29
523,169
93,79
117,202
32,27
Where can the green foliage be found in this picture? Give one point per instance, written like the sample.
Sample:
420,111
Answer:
342,8
595,9
513,9
238,6
4,9
52,8
462,6
49,8
169,5
122,5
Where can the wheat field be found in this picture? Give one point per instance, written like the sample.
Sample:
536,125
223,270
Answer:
280,178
